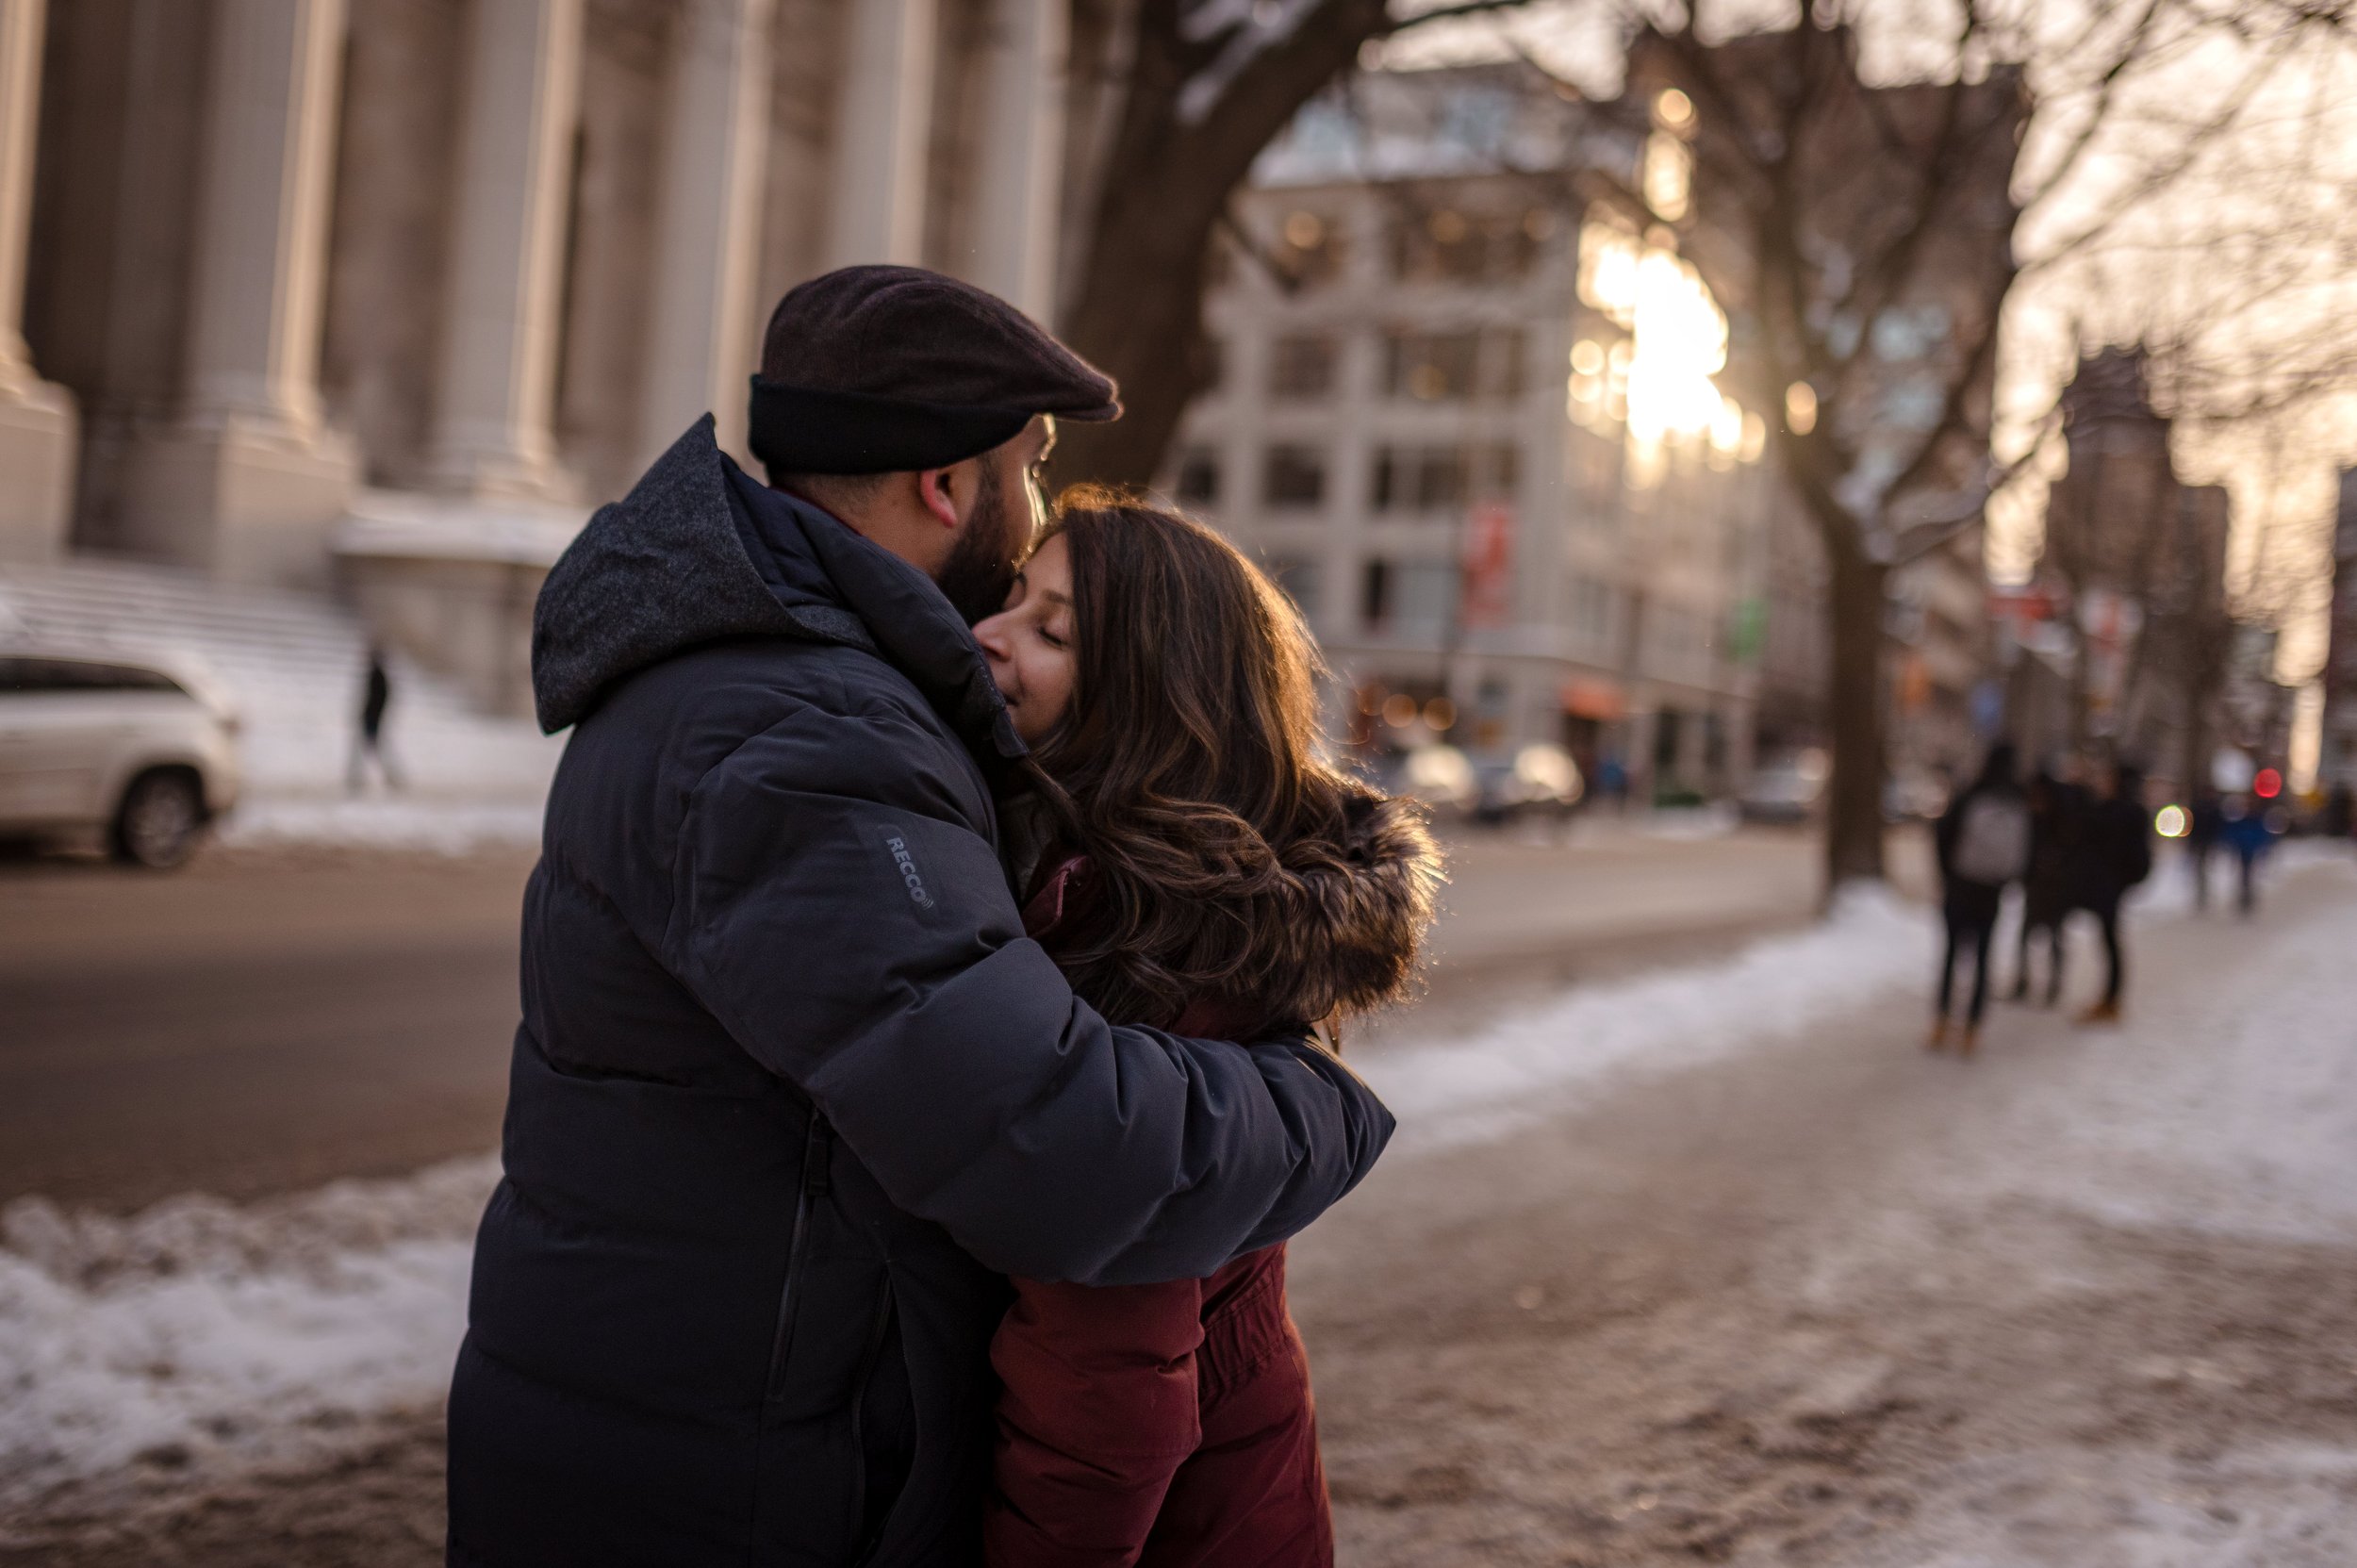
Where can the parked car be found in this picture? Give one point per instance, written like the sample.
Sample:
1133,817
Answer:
141,748
1439,776
1914,795
1538,778
1785,791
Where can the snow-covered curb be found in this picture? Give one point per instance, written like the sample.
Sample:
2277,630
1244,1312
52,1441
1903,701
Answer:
1520,1069
201,1331
450,827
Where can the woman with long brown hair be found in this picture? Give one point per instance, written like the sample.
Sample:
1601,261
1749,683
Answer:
1201,867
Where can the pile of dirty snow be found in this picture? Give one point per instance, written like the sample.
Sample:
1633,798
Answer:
203,1332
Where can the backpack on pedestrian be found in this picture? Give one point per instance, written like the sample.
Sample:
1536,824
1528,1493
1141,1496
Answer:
1993,841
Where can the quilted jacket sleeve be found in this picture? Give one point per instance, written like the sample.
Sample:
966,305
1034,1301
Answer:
839,908
1095,1413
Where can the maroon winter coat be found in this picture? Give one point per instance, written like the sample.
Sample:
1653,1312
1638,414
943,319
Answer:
1172,1425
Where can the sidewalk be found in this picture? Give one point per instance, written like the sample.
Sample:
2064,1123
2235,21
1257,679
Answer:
1779,1286
1708,1264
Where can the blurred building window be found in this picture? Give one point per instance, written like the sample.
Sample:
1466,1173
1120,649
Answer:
1443,367
1440,479
1374,594
1443,244
1431,367
1293,476
1308,248
1425,597
1501,470
1443,478
1593,603
1198,477
1302,366
1502,363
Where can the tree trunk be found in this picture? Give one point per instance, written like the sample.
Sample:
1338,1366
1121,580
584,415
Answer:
1150,339
1854,693
1138,312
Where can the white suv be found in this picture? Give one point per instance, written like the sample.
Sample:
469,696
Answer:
143,748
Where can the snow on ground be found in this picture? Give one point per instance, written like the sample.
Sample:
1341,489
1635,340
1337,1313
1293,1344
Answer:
214,1331
2227,1102
388,822
201,1332
1529,1065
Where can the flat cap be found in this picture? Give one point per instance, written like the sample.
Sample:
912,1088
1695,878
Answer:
879,370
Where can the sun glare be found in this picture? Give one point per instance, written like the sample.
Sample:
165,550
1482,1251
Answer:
1663,371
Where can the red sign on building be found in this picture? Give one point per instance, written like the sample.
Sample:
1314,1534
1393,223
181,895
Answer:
1488,565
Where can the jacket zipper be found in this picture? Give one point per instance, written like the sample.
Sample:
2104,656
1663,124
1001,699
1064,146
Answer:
815,1184
869,1355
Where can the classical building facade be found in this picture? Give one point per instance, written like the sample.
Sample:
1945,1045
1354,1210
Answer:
1430,356
385,294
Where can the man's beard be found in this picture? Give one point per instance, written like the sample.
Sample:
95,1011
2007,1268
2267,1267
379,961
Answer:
983,563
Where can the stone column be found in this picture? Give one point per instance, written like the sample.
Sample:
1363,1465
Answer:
246,480
702,325
37,421
882,130
494,425
1022,154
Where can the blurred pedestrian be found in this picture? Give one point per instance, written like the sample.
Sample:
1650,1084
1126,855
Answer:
2249,836
1612,781
2205,828
2114,854
368,737
2057,813
1984,843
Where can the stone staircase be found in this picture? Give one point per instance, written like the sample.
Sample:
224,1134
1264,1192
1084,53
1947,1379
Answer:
293,663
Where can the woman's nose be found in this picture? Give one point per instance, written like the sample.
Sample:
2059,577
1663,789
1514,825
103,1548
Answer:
990,635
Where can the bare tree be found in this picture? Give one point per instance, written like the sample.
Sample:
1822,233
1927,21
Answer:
1184,94
1862,234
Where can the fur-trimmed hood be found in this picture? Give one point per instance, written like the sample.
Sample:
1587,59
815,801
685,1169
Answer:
1338,933
1358,920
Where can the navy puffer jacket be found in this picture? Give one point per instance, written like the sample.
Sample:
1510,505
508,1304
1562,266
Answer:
792,1089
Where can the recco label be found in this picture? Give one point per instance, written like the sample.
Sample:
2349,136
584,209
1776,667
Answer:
907,866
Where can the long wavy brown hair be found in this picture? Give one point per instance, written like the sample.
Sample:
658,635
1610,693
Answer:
1227,856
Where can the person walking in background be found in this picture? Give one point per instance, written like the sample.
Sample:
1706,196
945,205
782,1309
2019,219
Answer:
2056,809
2247,835
2205,827
1612,781
1984,843
2114,853
368,739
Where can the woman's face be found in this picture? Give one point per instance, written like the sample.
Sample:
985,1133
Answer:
1029,643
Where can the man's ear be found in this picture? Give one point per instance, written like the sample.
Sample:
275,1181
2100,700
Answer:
933,493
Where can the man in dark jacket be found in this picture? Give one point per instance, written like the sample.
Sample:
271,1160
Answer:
2113,855
792,1089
